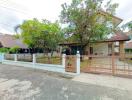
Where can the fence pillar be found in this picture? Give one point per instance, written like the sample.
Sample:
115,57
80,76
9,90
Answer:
78,63
63,60
15,57
34,58
1,57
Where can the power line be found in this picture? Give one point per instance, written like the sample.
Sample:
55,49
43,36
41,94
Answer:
14,9
5,24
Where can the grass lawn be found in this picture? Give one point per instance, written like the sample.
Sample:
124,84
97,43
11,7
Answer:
129,61
52,60
84,63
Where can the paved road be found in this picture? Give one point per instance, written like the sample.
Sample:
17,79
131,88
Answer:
19,83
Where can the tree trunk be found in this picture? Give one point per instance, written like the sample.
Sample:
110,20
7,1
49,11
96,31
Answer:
31,54
82,53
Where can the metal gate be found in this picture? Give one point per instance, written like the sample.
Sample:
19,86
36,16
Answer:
113,64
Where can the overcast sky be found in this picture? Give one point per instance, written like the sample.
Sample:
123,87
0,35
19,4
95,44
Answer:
13,12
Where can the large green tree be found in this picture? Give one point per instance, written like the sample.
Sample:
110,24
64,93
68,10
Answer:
85,20
40,34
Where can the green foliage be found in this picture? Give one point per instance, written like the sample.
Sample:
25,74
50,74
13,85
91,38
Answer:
14,49
4,50
41,34
128,25
85,22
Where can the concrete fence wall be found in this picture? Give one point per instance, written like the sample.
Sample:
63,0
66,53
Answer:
50,67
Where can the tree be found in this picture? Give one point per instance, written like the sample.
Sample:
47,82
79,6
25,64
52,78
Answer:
29,31
128,25
85,21
40,34
4,50
14,49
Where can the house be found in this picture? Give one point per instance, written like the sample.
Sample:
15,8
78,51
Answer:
9,41
128,45
115,20
101,47
129,33
115,44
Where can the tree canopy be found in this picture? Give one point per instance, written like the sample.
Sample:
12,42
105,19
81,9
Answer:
4,50
128,25
40,34
85,22
14,49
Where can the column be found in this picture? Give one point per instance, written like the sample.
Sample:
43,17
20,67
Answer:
78,63
15,57
34,58
3,57
63,60
121,50
113,59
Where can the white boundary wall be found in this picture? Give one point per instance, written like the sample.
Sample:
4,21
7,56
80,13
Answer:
48,67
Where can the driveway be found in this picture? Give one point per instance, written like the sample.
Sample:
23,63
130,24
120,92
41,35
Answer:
19,83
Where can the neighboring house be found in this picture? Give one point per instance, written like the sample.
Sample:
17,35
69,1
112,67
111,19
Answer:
128,45
129,33
9,41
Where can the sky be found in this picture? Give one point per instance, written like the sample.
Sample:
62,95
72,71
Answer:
13,12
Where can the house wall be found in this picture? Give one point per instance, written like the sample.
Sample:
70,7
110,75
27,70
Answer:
100,48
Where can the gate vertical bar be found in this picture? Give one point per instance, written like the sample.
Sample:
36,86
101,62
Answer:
113,60
64,60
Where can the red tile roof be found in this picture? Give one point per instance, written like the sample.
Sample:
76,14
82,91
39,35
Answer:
10,41
120,36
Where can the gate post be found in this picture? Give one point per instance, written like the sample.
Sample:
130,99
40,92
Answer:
34,58
113,64
63,60
15,57
78,63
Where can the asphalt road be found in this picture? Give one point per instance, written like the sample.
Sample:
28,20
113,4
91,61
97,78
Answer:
19,83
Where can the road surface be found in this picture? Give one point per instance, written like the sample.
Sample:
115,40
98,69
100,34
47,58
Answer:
19,83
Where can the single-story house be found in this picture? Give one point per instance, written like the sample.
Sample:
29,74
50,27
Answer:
9,41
